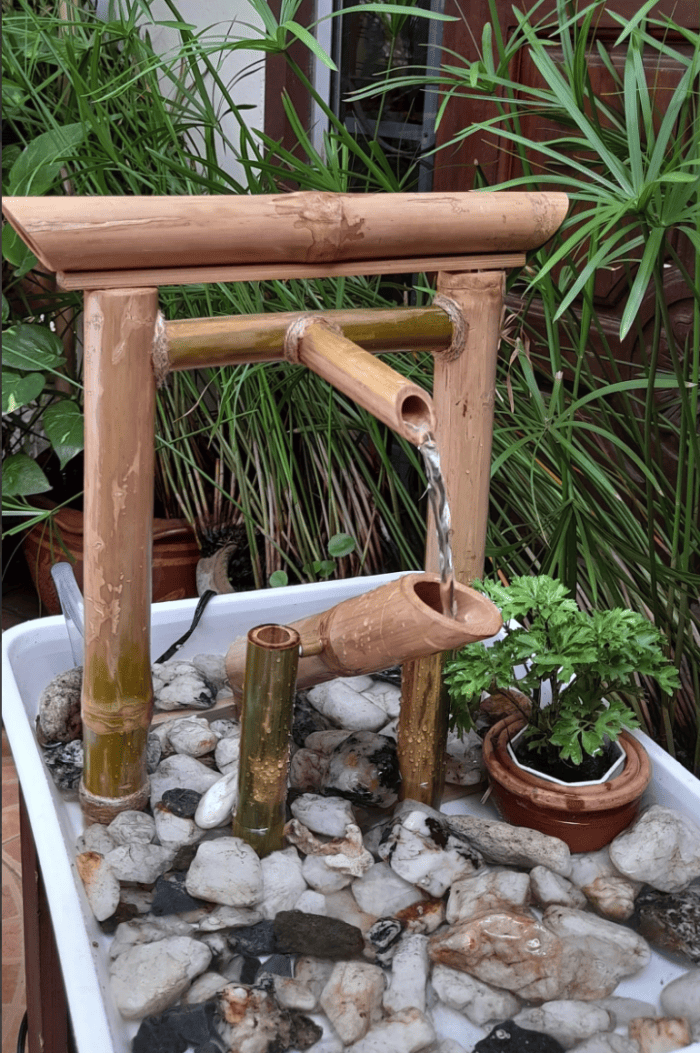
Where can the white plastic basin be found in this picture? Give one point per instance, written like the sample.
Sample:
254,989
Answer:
36,651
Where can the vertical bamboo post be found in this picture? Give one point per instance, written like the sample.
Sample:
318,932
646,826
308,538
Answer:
117,695
272,659
463,396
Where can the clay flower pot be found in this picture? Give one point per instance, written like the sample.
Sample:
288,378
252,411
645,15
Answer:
585,817
175,556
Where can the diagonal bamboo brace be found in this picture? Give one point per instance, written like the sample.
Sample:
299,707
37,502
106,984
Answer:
392,399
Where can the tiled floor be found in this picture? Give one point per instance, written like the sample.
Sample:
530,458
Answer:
19,604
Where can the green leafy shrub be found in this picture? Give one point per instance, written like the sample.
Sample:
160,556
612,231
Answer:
575,667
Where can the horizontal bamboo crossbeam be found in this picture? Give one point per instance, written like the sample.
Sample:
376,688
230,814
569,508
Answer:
252,272
232,340
71,234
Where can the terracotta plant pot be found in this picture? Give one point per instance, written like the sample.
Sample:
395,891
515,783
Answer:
175,556
585,817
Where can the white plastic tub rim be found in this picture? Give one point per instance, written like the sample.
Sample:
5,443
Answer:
34,652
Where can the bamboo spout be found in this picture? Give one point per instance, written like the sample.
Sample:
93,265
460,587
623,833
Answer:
404,406
272,655
399,621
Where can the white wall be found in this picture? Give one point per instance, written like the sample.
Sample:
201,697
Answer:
220,18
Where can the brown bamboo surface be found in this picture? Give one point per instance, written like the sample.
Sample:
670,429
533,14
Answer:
105,233
463,393
70,281
397,621
234,339
117,694
373,384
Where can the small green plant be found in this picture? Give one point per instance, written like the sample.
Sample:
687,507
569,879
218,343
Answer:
550,648
338,546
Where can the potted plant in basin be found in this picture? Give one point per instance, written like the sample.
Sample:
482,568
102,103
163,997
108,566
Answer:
561,760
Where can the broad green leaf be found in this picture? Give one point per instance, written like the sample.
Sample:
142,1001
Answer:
39,164
278,579
341,545
18,390
31,348
22,476
63,424
16,252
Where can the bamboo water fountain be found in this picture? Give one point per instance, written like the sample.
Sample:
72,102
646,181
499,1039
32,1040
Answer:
120,250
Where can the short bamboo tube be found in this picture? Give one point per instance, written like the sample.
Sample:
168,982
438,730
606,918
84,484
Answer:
232,340
272,657
463,392
373,384
117,693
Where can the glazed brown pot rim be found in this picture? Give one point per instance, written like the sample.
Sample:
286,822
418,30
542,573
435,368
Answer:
632,780
72,519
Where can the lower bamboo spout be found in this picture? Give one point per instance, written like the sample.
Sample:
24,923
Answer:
399,621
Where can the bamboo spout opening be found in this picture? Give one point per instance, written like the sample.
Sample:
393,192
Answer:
416,414
273,637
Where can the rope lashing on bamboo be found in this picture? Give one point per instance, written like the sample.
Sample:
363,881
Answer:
460,327
296,331
161,351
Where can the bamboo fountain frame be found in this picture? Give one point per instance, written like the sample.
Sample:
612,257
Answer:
119,250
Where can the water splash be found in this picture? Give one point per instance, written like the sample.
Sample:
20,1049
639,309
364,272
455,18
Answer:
441,513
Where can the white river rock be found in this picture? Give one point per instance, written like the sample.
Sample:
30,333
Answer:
174,831
311,902
625,1009
101,886
613,897
226,871
218,802
352,999
549,889
205,987
346,706
478,1001
570,1022
662,849
386,696
148,929
283,882
464,763
382,892
181,772
132,827
414,849
347,854
179,685
329,816
488,891
228,752
140,862
322,878
405,1032
95,838
682,996
607,1042
192,735
213,669
409,975
660,1034
148,978
513,846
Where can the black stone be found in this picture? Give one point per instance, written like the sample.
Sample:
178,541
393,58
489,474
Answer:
670,920
307,720
315,935
177,1028
384,936
182,802
171,897
252,941
509,1038
389,676
250,970
124,912
278,965
184,856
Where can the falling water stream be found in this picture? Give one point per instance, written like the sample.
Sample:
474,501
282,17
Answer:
441,513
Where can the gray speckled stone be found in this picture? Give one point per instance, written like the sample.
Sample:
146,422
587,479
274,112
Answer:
59,708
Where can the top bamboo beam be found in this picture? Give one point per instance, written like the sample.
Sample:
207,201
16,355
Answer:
80,235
